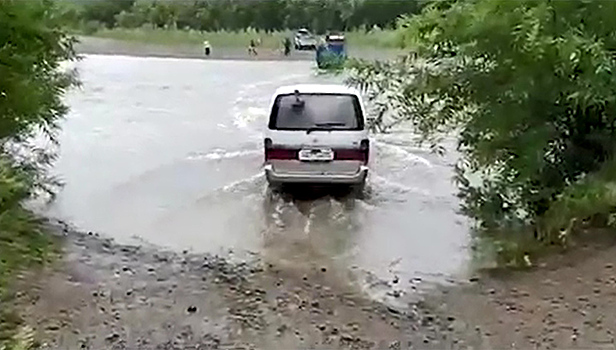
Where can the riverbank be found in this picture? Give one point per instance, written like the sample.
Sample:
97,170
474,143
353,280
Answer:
375,39
105,46
567,302
106,295
23,245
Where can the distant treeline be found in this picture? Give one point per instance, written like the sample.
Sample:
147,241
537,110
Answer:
212,15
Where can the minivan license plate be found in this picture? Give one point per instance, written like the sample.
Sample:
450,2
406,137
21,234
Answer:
316,155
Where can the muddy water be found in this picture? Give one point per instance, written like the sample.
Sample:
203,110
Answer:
168,152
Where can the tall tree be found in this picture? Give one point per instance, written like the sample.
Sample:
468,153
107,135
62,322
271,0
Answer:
105,11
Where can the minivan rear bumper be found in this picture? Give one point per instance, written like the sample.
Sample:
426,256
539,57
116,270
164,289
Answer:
316,178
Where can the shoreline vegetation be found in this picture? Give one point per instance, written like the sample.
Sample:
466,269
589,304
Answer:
31,106
95,45
529,95
386,39
232,24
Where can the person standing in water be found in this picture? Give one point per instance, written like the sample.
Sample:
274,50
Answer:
207,48
287,46
252,48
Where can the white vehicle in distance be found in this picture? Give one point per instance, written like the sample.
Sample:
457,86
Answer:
316,135
305,40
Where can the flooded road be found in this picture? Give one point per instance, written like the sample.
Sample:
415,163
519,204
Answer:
169,152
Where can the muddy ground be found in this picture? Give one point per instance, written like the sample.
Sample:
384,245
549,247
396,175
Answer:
108,296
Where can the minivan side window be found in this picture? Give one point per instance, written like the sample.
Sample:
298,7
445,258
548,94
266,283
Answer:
306,111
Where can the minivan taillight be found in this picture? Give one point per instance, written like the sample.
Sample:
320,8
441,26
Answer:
268,143
272,152
365,148
359,154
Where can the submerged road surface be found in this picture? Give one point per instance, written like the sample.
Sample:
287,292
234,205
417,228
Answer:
169,152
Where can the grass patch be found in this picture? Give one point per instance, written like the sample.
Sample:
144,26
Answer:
241,39
377,39
23,245
192,37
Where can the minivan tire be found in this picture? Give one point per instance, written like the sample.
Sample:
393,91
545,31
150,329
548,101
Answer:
358,189
274,186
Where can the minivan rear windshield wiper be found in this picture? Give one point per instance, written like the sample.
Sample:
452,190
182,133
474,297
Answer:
324,126
331,124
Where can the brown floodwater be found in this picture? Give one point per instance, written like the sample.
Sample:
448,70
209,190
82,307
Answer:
168,152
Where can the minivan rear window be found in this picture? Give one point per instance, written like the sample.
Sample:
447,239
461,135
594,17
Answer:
310,111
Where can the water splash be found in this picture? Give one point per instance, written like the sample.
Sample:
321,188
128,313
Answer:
222,154
385,187
243,118
309,220
251,104
242,185
402,153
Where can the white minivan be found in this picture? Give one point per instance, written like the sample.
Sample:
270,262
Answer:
316,135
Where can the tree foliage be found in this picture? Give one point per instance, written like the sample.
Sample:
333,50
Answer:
31,88
32,83
105,11
528,86
268,15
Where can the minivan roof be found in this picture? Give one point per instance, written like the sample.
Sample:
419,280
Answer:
317,89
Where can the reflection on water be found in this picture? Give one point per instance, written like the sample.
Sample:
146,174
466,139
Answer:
175,159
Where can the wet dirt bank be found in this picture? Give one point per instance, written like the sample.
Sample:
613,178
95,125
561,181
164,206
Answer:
567,302
109,296
104,295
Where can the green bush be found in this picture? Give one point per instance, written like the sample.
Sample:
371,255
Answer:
265,15
129,20
528,88
31,88
91,27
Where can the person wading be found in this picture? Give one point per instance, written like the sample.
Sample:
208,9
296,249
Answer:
207,48
287,46
252,48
